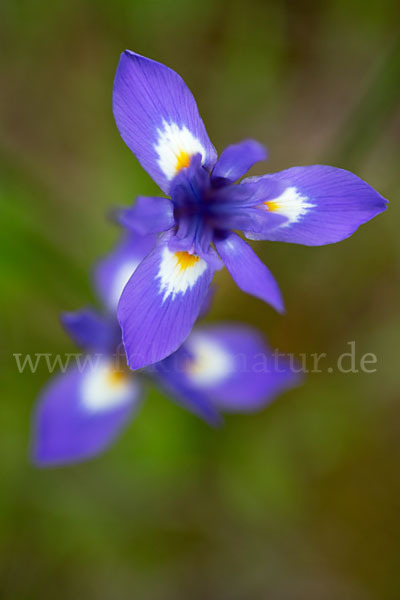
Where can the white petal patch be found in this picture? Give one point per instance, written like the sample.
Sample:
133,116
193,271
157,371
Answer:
291,204
105,388
175,146
211,362
121,278
178,272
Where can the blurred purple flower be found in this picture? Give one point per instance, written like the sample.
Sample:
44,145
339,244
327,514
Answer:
158,119
81,411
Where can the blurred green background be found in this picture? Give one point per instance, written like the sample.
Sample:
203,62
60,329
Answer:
300,501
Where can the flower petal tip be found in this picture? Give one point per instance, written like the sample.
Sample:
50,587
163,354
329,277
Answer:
157,117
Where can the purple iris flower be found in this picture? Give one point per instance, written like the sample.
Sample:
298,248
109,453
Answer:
158,119
219,368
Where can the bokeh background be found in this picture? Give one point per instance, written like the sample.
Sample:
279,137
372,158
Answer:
300,501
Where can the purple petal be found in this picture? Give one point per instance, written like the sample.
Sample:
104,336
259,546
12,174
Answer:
90,330
158,118
208,300
231,367
247,270
148,215
182,392
113,272
237,159
237,207
81,412
161,302
322,205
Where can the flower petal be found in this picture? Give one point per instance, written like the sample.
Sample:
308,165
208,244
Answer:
148,215
113,272
158,118
237,207
322,205
247,270
237,159
91,331
231,367
208,300
81,412
181,391
161,302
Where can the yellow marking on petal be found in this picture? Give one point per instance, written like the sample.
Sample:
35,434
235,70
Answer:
196,366
272,205
185,260
116,377
182,160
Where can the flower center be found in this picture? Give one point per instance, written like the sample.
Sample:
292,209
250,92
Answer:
210,362
116,377
182,160
272,205
185,260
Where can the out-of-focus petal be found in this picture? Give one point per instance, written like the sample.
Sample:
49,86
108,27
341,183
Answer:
158,118
113,272
148,215
90,330
231,367
82,411
247,270
237,159
322,205
161,302
183,392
